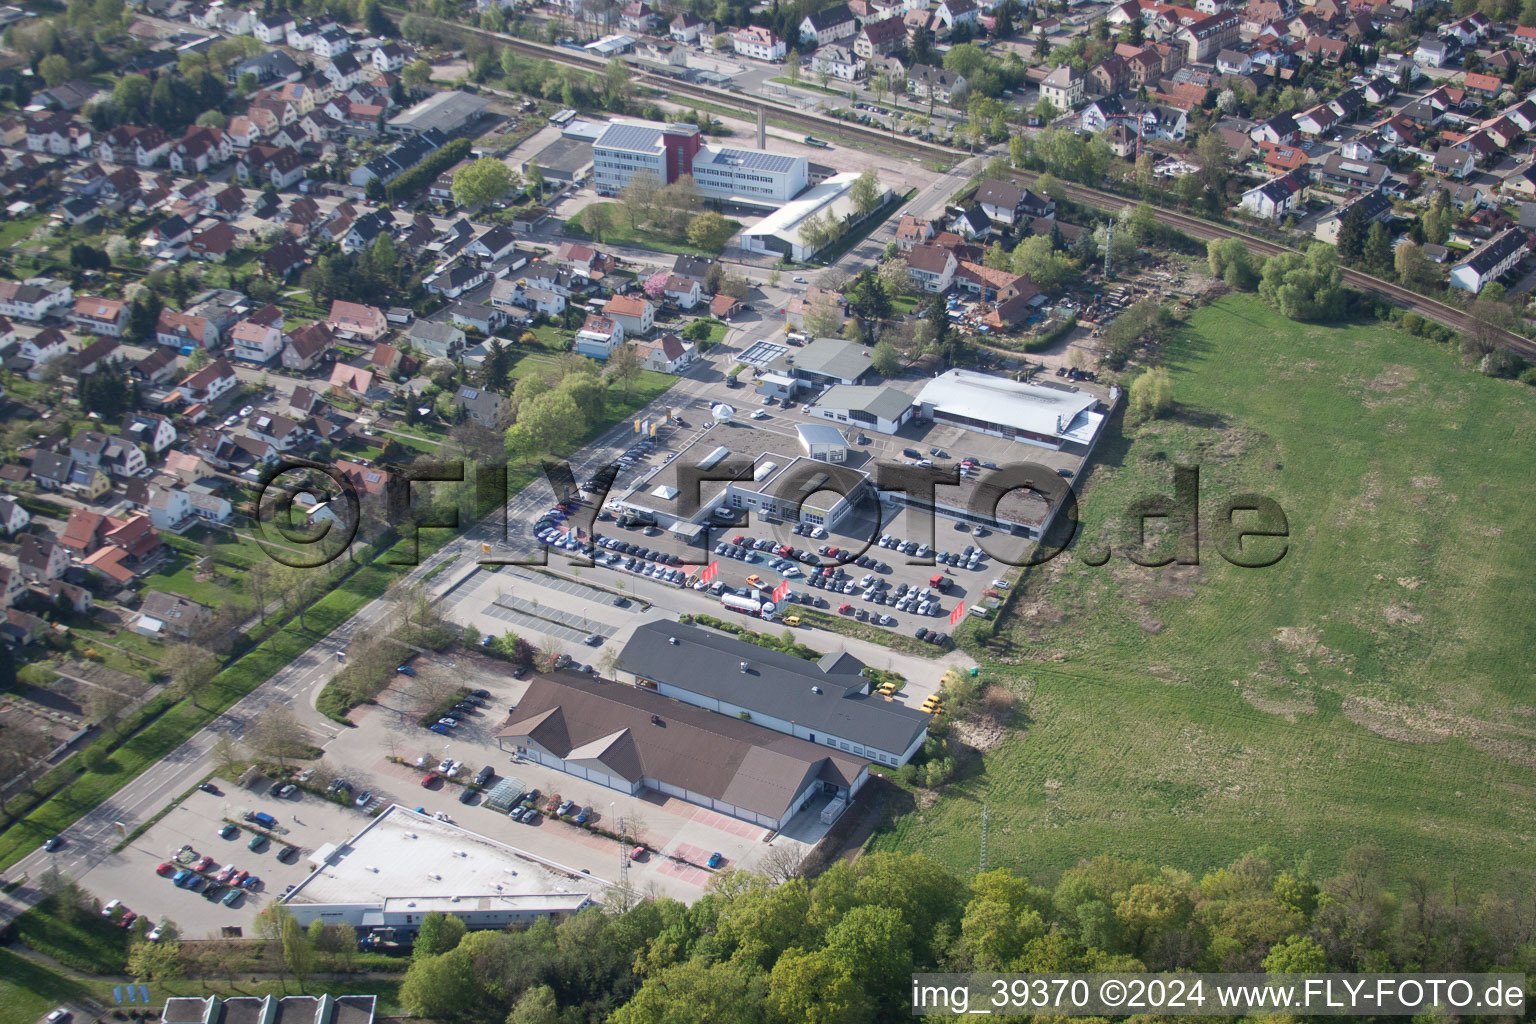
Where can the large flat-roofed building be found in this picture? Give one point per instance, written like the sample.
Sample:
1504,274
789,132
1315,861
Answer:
1051,417
778,234
625,148
749,177
446,111
733,466
826,701
631,740
403,865
566,159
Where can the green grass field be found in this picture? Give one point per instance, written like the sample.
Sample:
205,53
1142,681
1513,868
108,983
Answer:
1372,687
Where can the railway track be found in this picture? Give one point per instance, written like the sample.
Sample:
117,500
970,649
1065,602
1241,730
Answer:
1197,227
812,123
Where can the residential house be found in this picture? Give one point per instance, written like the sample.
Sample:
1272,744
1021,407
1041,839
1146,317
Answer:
935,83
1490,261
667,353
257,342
932,268
357,321
839,62
683,292
950,13
210,383
1063,88
1453,162
685,28
436,340
828,26
13,516
150,429
599,336
486,408
635,313
880,37
307,346
102,317
186,330
911,231
41,558
758,43
165,615
1274,200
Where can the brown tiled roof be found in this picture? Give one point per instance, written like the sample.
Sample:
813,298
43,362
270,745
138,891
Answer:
715,755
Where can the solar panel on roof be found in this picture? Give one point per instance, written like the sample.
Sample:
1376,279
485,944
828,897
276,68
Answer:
631,136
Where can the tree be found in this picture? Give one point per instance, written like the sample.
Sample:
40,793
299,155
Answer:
824,318
278,735
624,367
1377,254
497,366
885,360
154,961
597,219
1045,267
439,987
1305,287
372,17
1231,262
536,178
1151,395
639,197
710,231
143,317
298,950
815,988
484,181
536,1006
191,668
1410,264
1296,954
792,64
1352,229
55,69
865,191
132,94
896,276
655,285
416,74
439,933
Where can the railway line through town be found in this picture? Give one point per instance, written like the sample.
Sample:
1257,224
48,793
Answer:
747,106
1430,309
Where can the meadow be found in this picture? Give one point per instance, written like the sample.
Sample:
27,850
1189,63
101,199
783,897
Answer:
1373,686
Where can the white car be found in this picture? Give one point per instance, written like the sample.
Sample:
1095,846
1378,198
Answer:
155,933
759,414
1000,584
106,911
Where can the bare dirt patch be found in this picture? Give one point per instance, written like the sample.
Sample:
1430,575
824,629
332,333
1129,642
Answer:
1513,744
1298,640
1277,695
981,733
1399,614
1424,483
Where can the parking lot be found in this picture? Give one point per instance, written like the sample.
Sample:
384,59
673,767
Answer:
303,820
681,835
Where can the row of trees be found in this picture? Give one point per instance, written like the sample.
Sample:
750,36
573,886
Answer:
842,948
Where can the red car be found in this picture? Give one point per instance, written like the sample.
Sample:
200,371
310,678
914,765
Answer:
203,865
426,781
739,539
783,550
127,920
845,609
166,870
239,877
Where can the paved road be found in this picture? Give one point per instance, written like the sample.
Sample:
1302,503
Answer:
90,840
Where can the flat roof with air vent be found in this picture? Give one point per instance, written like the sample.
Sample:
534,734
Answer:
404,864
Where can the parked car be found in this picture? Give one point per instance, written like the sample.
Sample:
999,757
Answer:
166,869
257,843
715,860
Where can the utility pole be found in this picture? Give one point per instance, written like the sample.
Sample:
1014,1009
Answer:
623,855
1109,245
983,866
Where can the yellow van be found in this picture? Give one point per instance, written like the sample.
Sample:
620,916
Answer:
792,620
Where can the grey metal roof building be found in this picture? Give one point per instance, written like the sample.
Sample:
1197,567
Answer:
824,702
447,112
630,740
828,361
